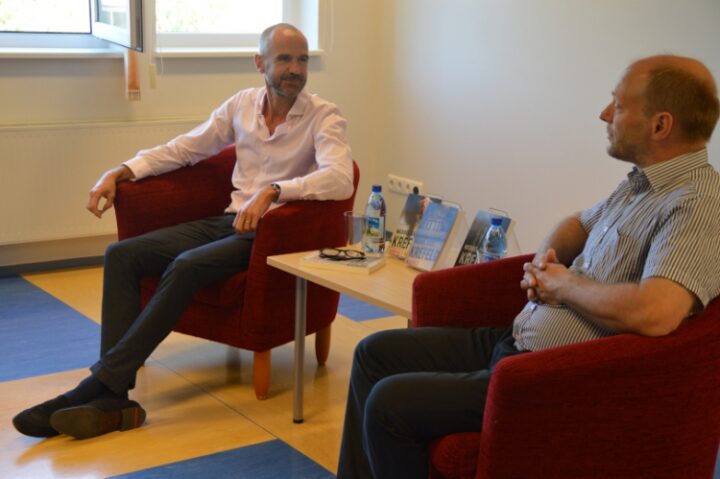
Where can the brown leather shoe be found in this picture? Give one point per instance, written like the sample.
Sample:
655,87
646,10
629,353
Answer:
98,417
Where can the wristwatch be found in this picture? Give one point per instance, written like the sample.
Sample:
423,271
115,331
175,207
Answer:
277,189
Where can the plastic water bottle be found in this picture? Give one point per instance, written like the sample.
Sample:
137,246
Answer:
494,244
374,237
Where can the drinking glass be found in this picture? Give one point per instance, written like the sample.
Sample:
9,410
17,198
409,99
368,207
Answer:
354,228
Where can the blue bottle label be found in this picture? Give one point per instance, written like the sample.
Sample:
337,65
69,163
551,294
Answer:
374,243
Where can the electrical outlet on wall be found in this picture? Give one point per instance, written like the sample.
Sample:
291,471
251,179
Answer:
404,186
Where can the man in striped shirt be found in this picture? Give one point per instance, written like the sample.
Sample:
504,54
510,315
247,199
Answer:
646,257
640,261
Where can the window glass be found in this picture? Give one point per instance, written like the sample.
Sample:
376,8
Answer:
114,12
217,16
119,21
46,16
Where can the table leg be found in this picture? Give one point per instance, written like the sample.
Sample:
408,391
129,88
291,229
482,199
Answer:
300,328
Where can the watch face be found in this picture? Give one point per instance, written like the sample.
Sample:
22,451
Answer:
276,187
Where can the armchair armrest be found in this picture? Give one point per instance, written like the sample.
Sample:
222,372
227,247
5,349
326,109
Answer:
295,226
300,226
485,294
182,195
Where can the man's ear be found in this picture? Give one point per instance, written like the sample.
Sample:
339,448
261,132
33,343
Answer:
662,125
259,63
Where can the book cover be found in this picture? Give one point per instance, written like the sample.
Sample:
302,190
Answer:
474,238
402,238
361,266
438,237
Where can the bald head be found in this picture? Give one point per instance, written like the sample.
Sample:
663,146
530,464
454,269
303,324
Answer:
266,37
690,65
683,87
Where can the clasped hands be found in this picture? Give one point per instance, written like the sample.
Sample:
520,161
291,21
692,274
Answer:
544,278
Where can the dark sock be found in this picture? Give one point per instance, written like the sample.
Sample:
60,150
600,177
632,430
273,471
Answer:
89,389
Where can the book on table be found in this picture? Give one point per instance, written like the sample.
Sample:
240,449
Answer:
364,265
476,233
438,237
412,212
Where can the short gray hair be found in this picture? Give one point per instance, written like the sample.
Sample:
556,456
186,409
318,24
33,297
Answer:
265,36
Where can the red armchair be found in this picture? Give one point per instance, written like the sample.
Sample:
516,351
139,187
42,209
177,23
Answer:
620,407
254,309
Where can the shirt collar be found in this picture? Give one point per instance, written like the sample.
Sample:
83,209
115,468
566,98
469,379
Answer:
298,108
663,173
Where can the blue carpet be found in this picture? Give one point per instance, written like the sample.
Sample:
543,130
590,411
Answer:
360,311
41,335
268,460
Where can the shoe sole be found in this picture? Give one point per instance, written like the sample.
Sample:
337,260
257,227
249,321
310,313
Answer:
84,422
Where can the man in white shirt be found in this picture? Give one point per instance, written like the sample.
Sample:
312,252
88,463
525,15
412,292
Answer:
290,145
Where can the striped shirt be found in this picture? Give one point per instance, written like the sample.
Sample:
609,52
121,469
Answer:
663,221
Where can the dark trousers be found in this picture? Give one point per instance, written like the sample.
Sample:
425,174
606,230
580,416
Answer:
187,257
410,386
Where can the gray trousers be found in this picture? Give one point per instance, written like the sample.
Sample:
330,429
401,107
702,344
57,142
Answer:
410,386
188,256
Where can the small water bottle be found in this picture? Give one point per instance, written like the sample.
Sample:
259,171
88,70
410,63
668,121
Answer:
374,237
494,244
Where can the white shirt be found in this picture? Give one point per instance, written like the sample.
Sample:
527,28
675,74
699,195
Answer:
307,155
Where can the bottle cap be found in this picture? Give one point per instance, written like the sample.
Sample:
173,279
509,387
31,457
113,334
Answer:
496,221
376,188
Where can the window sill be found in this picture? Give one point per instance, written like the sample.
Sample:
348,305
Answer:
212,52
60,53
117,52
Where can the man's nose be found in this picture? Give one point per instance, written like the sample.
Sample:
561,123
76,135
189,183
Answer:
606,114
296,66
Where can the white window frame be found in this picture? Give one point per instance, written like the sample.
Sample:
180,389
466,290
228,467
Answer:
131,37
305,14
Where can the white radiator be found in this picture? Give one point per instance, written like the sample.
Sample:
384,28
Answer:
46,172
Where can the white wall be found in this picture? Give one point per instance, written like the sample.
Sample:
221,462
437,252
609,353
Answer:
496,103
77,91
38,91
491,103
